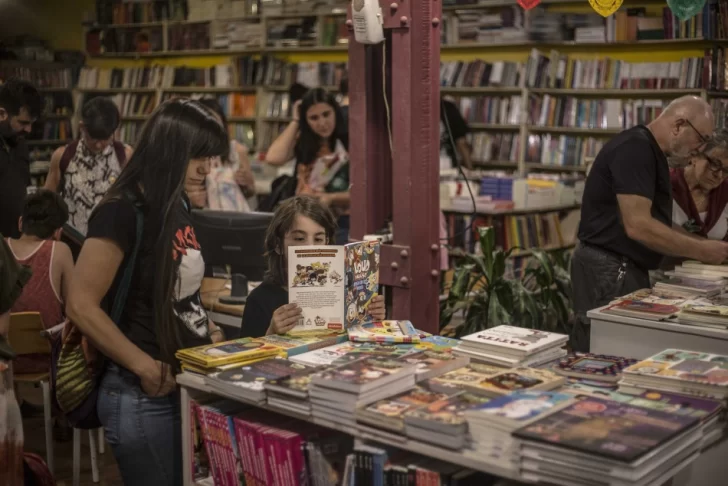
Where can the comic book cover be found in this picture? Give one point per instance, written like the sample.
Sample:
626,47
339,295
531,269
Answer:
516,379
447,412
389,412
362,280
316,284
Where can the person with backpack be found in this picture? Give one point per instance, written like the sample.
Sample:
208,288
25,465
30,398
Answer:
143,224
84,170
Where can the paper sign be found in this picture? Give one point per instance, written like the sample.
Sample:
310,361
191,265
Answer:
686,9
605,8
528,4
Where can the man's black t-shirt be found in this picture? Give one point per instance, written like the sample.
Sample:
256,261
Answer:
631,163
116,220
14,182
259,308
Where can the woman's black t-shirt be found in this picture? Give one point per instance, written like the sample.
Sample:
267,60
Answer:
116,221
259,308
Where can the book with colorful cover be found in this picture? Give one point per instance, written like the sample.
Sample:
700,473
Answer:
432,363
678,365
388,332
333,285
236,350
295,385
467,375
364,374
331,354
516,379
513,340
518,409
445,414
294,345
437,343
253,376
654,296
642,310
619,431
593,366
389,412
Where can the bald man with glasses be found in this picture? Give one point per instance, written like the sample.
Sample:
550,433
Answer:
626,216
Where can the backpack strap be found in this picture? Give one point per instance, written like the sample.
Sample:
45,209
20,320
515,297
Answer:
120,150
123,290
67,156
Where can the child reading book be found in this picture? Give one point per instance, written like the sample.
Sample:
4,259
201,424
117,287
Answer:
299,221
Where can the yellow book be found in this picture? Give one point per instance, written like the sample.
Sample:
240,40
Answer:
201,370
235,351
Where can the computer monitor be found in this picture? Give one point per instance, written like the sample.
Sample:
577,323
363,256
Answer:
235,239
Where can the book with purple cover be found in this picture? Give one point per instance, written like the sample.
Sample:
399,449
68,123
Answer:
615,430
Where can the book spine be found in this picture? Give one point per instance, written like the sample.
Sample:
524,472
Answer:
243,449
209,445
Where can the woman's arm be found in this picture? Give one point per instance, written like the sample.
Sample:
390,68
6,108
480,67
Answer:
65,264
335,198
282,148
97,265
244,175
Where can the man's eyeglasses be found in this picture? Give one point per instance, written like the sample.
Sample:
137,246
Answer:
702,137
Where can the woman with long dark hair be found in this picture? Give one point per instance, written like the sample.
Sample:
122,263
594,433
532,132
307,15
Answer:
138,403
317,138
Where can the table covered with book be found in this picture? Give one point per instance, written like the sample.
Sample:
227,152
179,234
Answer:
390,402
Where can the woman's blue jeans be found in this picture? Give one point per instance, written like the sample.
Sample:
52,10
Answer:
144,432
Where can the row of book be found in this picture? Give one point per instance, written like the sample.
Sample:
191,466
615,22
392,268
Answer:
52,130
627,420
494,146
562,150
131,104
58,103
40,77
503,110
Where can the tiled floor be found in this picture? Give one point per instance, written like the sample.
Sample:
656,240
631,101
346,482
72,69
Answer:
35,442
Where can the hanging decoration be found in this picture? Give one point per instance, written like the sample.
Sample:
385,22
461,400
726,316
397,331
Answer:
686,9
605,8
528,4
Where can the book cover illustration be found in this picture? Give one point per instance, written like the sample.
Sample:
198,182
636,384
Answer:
254,376
297,382
331,354
437,343
517,379
211,355
362,280
388,332
395,407
598,366
701,408
654,296
449,410
365,370
316,284
430,360
471,374
616,430
516,339
644,307
681,365
524,406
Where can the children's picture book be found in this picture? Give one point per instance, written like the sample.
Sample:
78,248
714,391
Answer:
254,376
389,413
294,385
388,332
519,408
593,366
515,379
467,375
294,345
687,366
615,430
514,340
437,343
432,363
333,285
444,414
333,354
364,374
212,355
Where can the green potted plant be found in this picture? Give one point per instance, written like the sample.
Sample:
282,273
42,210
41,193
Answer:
487,296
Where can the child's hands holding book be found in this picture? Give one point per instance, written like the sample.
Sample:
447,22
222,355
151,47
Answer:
284,319
376,308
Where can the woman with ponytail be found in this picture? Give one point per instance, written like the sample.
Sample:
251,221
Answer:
138,404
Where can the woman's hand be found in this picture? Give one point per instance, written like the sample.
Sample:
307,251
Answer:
216,334
296,113
284,319
157,379
244,178
377,309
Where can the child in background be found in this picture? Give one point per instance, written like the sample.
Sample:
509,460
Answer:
301,220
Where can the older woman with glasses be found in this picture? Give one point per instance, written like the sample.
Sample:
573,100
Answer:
700,190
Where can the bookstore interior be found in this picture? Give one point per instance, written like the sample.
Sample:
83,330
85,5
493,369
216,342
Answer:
422,325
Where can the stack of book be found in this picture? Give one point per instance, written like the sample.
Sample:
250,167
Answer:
331,354
295,345
212,358
650,304
336,393
595,441
290,393
513,346
679,371
704,314
492,381
697,278
247,382
385,332
492,423
431,363
593,367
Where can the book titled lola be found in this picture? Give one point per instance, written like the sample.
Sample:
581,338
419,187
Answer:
333,285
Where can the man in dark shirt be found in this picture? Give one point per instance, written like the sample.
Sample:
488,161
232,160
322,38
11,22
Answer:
20,106
450,118
626,211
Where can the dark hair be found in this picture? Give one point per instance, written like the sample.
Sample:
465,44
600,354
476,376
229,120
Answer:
296,92
308,143
16,94
44,213
283,219
214,105
179,130
101,117
344,85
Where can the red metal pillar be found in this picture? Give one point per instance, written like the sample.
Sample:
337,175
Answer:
405,187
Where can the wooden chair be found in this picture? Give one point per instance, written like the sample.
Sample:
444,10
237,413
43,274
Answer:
27,336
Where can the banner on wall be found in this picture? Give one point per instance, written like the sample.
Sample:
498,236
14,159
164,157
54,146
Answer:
528,4
686,9
605,8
